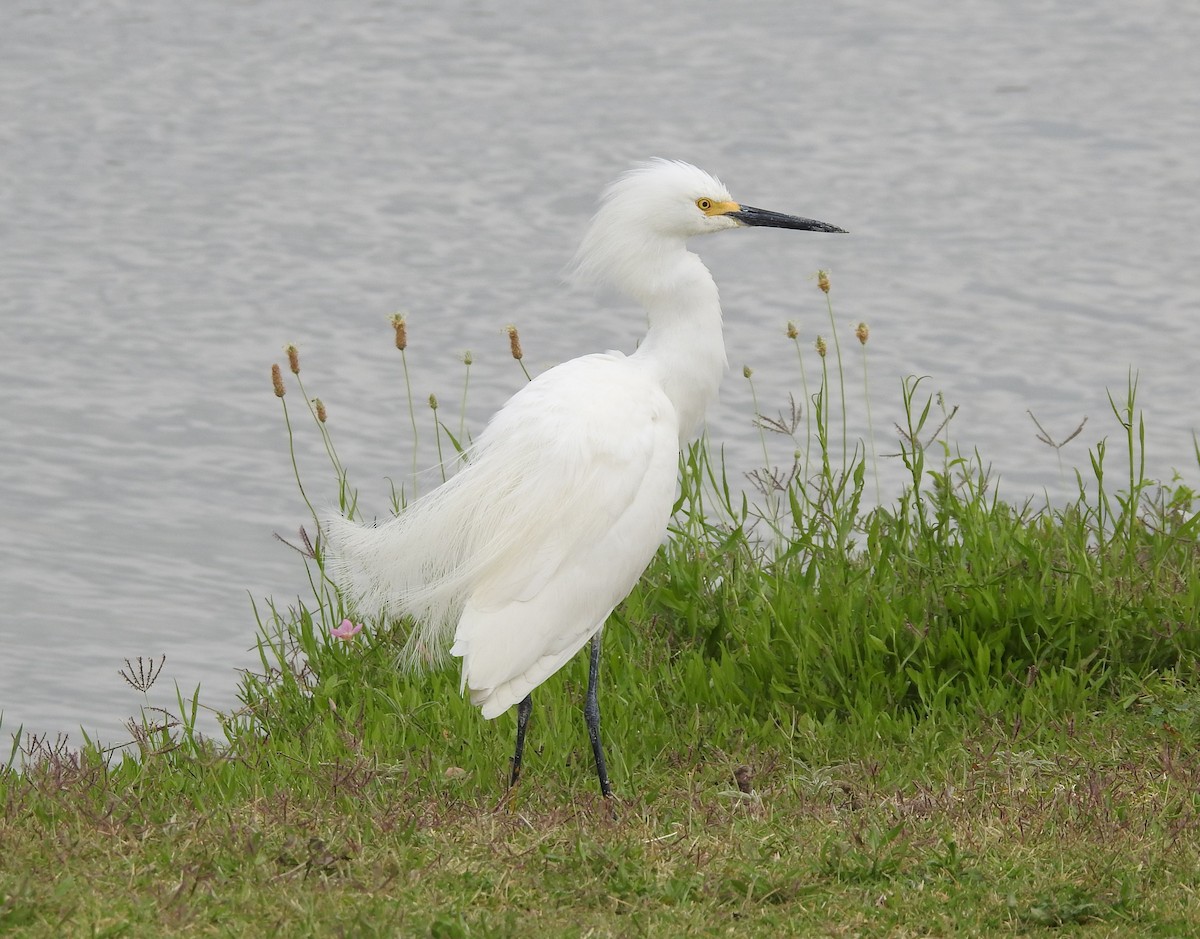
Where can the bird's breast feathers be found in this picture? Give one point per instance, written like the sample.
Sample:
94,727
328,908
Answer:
599,402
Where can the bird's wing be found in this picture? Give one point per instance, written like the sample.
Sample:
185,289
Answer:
585,458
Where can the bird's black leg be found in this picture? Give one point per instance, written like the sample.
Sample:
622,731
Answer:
591,713
524,708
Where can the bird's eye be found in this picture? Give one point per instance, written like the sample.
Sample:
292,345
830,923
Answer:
704,204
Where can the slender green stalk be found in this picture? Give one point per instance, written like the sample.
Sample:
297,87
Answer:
823,283
287,420
862,333
437,434
1135,445
412,416
462,409
748,373
808,401
823,413
319,420
400,325
769,492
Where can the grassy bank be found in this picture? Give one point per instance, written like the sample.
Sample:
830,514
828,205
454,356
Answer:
965,828
944,716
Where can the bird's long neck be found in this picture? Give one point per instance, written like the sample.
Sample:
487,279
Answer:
684,348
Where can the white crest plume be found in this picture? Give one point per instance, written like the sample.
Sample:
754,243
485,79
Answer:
645,212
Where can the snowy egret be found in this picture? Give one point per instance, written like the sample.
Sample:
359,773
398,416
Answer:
516,562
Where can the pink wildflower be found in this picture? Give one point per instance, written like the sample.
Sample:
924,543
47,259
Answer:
347,630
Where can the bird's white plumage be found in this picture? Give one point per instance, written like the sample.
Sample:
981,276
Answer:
523,554
605,518
516,561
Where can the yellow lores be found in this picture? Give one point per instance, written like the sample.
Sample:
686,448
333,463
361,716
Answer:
711,207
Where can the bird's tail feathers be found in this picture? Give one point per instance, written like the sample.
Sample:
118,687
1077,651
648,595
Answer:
424,563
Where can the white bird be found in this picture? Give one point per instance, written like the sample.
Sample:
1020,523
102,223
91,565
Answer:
517,561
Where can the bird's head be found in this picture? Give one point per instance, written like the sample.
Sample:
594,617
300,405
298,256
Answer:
660,204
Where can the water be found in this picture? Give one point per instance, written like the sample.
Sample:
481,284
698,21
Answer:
185,188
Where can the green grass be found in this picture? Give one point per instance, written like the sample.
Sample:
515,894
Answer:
968,827
943,716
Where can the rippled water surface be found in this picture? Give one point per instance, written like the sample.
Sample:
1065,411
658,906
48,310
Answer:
184,189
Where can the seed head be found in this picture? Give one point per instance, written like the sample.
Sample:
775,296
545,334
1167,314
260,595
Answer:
468,359
433,402
514,343
400,324
293,355
320,408
863,332
791,330
747,371
823,281
821,348
277,380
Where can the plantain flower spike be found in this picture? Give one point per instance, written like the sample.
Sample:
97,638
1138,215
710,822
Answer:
791,330
863,332
293,355
514,343
823,281
400,324
319,405
277,381
821,348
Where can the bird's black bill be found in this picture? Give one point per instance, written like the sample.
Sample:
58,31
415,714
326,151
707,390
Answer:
748,215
